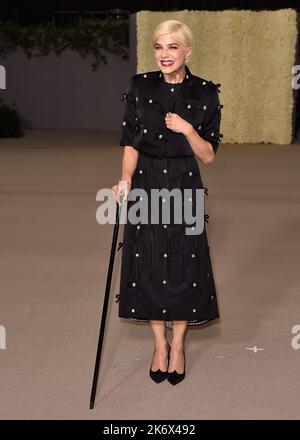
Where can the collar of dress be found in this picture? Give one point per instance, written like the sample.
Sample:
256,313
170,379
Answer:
187,80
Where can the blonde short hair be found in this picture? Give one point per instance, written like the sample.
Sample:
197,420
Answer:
183,32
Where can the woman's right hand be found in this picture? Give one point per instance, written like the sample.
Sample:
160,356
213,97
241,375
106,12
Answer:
116,189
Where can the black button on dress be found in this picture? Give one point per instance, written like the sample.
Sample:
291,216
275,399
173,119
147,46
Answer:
167,274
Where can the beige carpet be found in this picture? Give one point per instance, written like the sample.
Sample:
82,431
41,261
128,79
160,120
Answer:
54,261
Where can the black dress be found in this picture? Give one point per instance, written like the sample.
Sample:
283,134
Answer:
165,273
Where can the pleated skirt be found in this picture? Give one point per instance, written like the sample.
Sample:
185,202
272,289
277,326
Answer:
166,274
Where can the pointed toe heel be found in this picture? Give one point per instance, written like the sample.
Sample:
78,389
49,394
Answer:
173,377
158,375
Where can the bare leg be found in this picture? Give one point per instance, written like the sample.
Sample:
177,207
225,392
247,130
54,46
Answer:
177,347
161,345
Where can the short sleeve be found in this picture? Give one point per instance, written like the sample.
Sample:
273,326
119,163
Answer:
212,120
129,114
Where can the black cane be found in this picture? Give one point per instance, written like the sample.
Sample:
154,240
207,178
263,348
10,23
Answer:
105,304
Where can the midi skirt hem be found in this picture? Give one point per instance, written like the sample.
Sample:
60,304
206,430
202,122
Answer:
169,324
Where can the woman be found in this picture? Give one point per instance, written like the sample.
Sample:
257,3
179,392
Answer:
170,116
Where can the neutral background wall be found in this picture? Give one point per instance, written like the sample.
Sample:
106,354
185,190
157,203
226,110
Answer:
64,92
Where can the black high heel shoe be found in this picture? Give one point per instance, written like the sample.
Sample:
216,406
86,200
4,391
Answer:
158,375
174,377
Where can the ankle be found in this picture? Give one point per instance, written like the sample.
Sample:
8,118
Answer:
161,345
177,345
